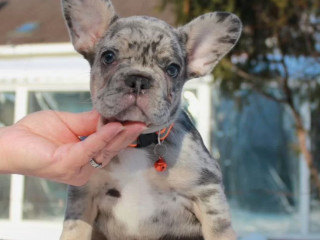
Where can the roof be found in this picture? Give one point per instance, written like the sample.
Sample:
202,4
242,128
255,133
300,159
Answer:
41,21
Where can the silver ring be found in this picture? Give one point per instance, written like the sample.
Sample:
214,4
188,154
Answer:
94,164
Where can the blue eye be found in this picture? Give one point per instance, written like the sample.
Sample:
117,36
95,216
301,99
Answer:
173,70
108,57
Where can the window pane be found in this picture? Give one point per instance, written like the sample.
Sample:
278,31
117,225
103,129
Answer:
315,200
315,214
45,199
255,141
68,101
6,118
6,108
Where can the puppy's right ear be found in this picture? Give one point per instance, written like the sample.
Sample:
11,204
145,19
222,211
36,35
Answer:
87,21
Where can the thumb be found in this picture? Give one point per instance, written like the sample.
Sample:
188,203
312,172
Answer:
81,124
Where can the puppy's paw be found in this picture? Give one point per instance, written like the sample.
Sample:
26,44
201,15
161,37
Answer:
226,234
229,234
76,230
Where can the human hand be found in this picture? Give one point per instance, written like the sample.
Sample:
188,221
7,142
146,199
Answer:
46,144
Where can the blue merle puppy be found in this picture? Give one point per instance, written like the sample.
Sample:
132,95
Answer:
166,186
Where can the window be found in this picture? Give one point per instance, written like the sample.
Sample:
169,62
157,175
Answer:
61,101
6,118
315,199
266,181
29,202
45,199
42,82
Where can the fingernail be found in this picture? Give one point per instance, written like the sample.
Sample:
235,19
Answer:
143,127
113,129
119,129
139,130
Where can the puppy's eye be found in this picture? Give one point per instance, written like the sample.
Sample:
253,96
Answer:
173,70
108,57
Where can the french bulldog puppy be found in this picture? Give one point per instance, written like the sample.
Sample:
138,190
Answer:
165,186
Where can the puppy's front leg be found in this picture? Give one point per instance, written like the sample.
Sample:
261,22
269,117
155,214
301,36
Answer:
211,208
80,215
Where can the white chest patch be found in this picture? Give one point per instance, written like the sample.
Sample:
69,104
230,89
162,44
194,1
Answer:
136,204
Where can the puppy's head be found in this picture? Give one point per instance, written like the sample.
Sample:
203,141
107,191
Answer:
140,64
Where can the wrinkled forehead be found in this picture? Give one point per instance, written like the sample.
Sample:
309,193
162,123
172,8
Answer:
144,34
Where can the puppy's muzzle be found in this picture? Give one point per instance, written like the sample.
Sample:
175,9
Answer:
138,83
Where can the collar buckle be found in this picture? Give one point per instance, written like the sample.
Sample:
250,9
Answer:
144,140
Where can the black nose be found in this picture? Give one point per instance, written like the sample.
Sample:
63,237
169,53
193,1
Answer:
138,82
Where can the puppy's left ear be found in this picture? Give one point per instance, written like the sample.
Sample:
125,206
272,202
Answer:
87,21
208,39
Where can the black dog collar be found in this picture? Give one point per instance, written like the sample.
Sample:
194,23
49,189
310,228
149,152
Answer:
145,140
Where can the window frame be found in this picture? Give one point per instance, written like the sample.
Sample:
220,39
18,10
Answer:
16,227
22,82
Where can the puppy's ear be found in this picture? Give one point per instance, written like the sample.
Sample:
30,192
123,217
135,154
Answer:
87,21
208,38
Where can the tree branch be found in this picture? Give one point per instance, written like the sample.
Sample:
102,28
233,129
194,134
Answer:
315,56
251,79
301,131
285,83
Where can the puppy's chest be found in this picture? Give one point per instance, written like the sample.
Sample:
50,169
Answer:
139,200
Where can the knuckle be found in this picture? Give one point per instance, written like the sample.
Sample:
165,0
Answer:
107,154
88,152
68,176
80,182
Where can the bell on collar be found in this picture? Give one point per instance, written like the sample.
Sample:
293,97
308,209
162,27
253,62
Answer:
160,165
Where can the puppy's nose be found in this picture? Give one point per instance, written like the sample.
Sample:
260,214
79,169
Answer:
138,82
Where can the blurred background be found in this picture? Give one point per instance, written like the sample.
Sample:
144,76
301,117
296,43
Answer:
259,112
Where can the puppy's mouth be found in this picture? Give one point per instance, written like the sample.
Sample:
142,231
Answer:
123,120
104,121
128,107
132,113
